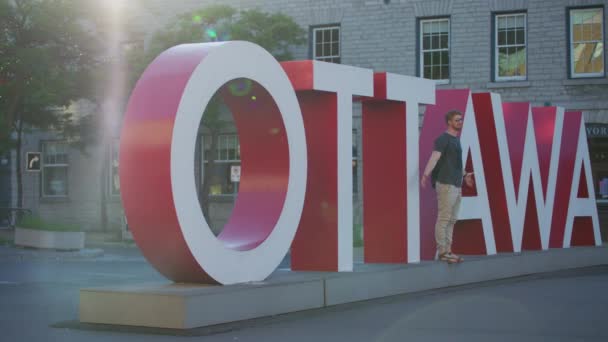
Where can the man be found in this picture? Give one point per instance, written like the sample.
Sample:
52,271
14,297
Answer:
445,165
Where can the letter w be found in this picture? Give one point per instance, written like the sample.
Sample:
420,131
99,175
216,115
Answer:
529,143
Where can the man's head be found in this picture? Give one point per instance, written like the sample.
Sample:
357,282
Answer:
453,119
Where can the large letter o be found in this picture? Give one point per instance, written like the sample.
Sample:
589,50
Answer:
157,162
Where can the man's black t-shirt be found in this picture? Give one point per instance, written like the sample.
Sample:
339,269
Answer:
449,167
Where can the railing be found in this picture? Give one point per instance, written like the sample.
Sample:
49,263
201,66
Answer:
9,215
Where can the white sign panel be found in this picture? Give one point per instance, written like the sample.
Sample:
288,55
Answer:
235,173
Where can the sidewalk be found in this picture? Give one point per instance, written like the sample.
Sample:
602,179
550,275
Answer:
8,252
7,233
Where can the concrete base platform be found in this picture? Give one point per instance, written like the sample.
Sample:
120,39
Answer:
180,306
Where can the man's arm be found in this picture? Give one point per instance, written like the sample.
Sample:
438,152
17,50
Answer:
429,167
468,178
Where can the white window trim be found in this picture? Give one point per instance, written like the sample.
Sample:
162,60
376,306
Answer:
498,78
314,42
56,165
571,43
218,148
421,53
219,161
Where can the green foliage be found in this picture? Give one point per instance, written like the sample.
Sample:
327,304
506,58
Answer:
45,62
35,222
192,27
276,32
357,235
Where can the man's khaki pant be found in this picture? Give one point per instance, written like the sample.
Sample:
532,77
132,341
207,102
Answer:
448,200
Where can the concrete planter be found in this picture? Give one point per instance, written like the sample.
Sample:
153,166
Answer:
48,239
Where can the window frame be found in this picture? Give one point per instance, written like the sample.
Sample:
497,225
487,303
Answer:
44,166
223,140
571,73
420,45
115,146
313,42
219,160
496,66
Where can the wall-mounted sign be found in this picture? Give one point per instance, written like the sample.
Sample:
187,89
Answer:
33,161
235,173
596,130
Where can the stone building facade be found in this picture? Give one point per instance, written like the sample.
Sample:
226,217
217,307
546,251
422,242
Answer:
548,52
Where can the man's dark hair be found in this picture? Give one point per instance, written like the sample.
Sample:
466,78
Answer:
451,114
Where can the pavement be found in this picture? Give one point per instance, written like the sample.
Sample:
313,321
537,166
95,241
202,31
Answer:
39,299
93,239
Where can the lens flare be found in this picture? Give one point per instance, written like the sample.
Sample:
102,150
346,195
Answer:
211,33
241,87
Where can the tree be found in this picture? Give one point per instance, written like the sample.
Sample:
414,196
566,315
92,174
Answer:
276,32
45,59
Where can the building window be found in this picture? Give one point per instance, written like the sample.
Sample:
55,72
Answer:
227,157
114,176
435,49
228,148
55,169
510,47
326,43
586,42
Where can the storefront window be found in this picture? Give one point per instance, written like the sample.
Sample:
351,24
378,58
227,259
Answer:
598,153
